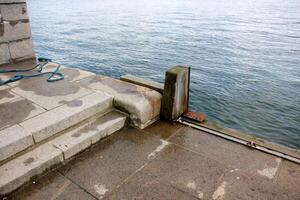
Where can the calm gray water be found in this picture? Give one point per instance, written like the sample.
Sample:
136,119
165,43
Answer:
244,54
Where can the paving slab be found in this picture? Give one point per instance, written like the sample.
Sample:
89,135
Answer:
19,170
6,95
84,136
186,172
140,164
231,154
50,187
49,95
67,115
143,104
12,140
289,178
18,110
111,160
244,186
163,128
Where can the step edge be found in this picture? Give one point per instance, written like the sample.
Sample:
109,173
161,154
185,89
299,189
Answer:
7,188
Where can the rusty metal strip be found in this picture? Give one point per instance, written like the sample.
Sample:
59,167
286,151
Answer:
240,141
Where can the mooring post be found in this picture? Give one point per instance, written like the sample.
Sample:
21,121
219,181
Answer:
175,98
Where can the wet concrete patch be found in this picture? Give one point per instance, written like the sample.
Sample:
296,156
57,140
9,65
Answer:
6,96
51,186
242,185
163,128
233,155
28,161
112,161
289,178
175,171
49,95
16,111
74,103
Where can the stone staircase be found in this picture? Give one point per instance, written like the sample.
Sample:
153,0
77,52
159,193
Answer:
29,148
43,125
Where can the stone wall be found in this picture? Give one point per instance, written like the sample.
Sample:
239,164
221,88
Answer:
15,33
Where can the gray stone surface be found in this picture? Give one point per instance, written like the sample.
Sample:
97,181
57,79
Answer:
112,161
119,167
159,87
4,31
176,91
4,54
18,30
12,1
13,140
58,119
53,186
190,175
6,95
13,12
49,95
289,178
17,110
11,31
21,50
18,171
233,155
142,104
82,137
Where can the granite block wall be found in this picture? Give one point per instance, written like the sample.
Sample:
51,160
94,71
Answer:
15,33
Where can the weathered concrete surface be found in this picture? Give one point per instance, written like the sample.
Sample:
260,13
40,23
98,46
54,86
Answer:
142,104
21,50
4,53
55,186
17,110
15,33
84,136
167,161
175,96
20,170
58,119
14,139
159,87
57,150
13,12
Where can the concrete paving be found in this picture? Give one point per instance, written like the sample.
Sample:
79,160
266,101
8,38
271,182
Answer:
168,161
43,124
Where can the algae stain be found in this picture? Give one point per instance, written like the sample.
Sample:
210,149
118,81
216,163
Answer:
28,161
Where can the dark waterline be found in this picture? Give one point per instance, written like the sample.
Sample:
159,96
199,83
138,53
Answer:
244,54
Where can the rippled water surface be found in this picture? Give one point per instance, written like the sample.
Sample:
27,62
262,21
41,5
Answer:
244,54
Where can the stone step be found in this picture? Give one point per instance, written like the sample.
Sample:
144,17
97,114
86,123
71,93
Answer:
34,130
21,169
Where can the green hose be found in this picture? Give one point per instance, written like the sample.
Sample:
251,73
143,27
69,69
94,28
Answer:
53,76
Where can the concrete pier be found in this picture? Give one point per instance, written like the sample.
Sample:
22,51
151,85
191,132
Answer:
168,161
44,127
